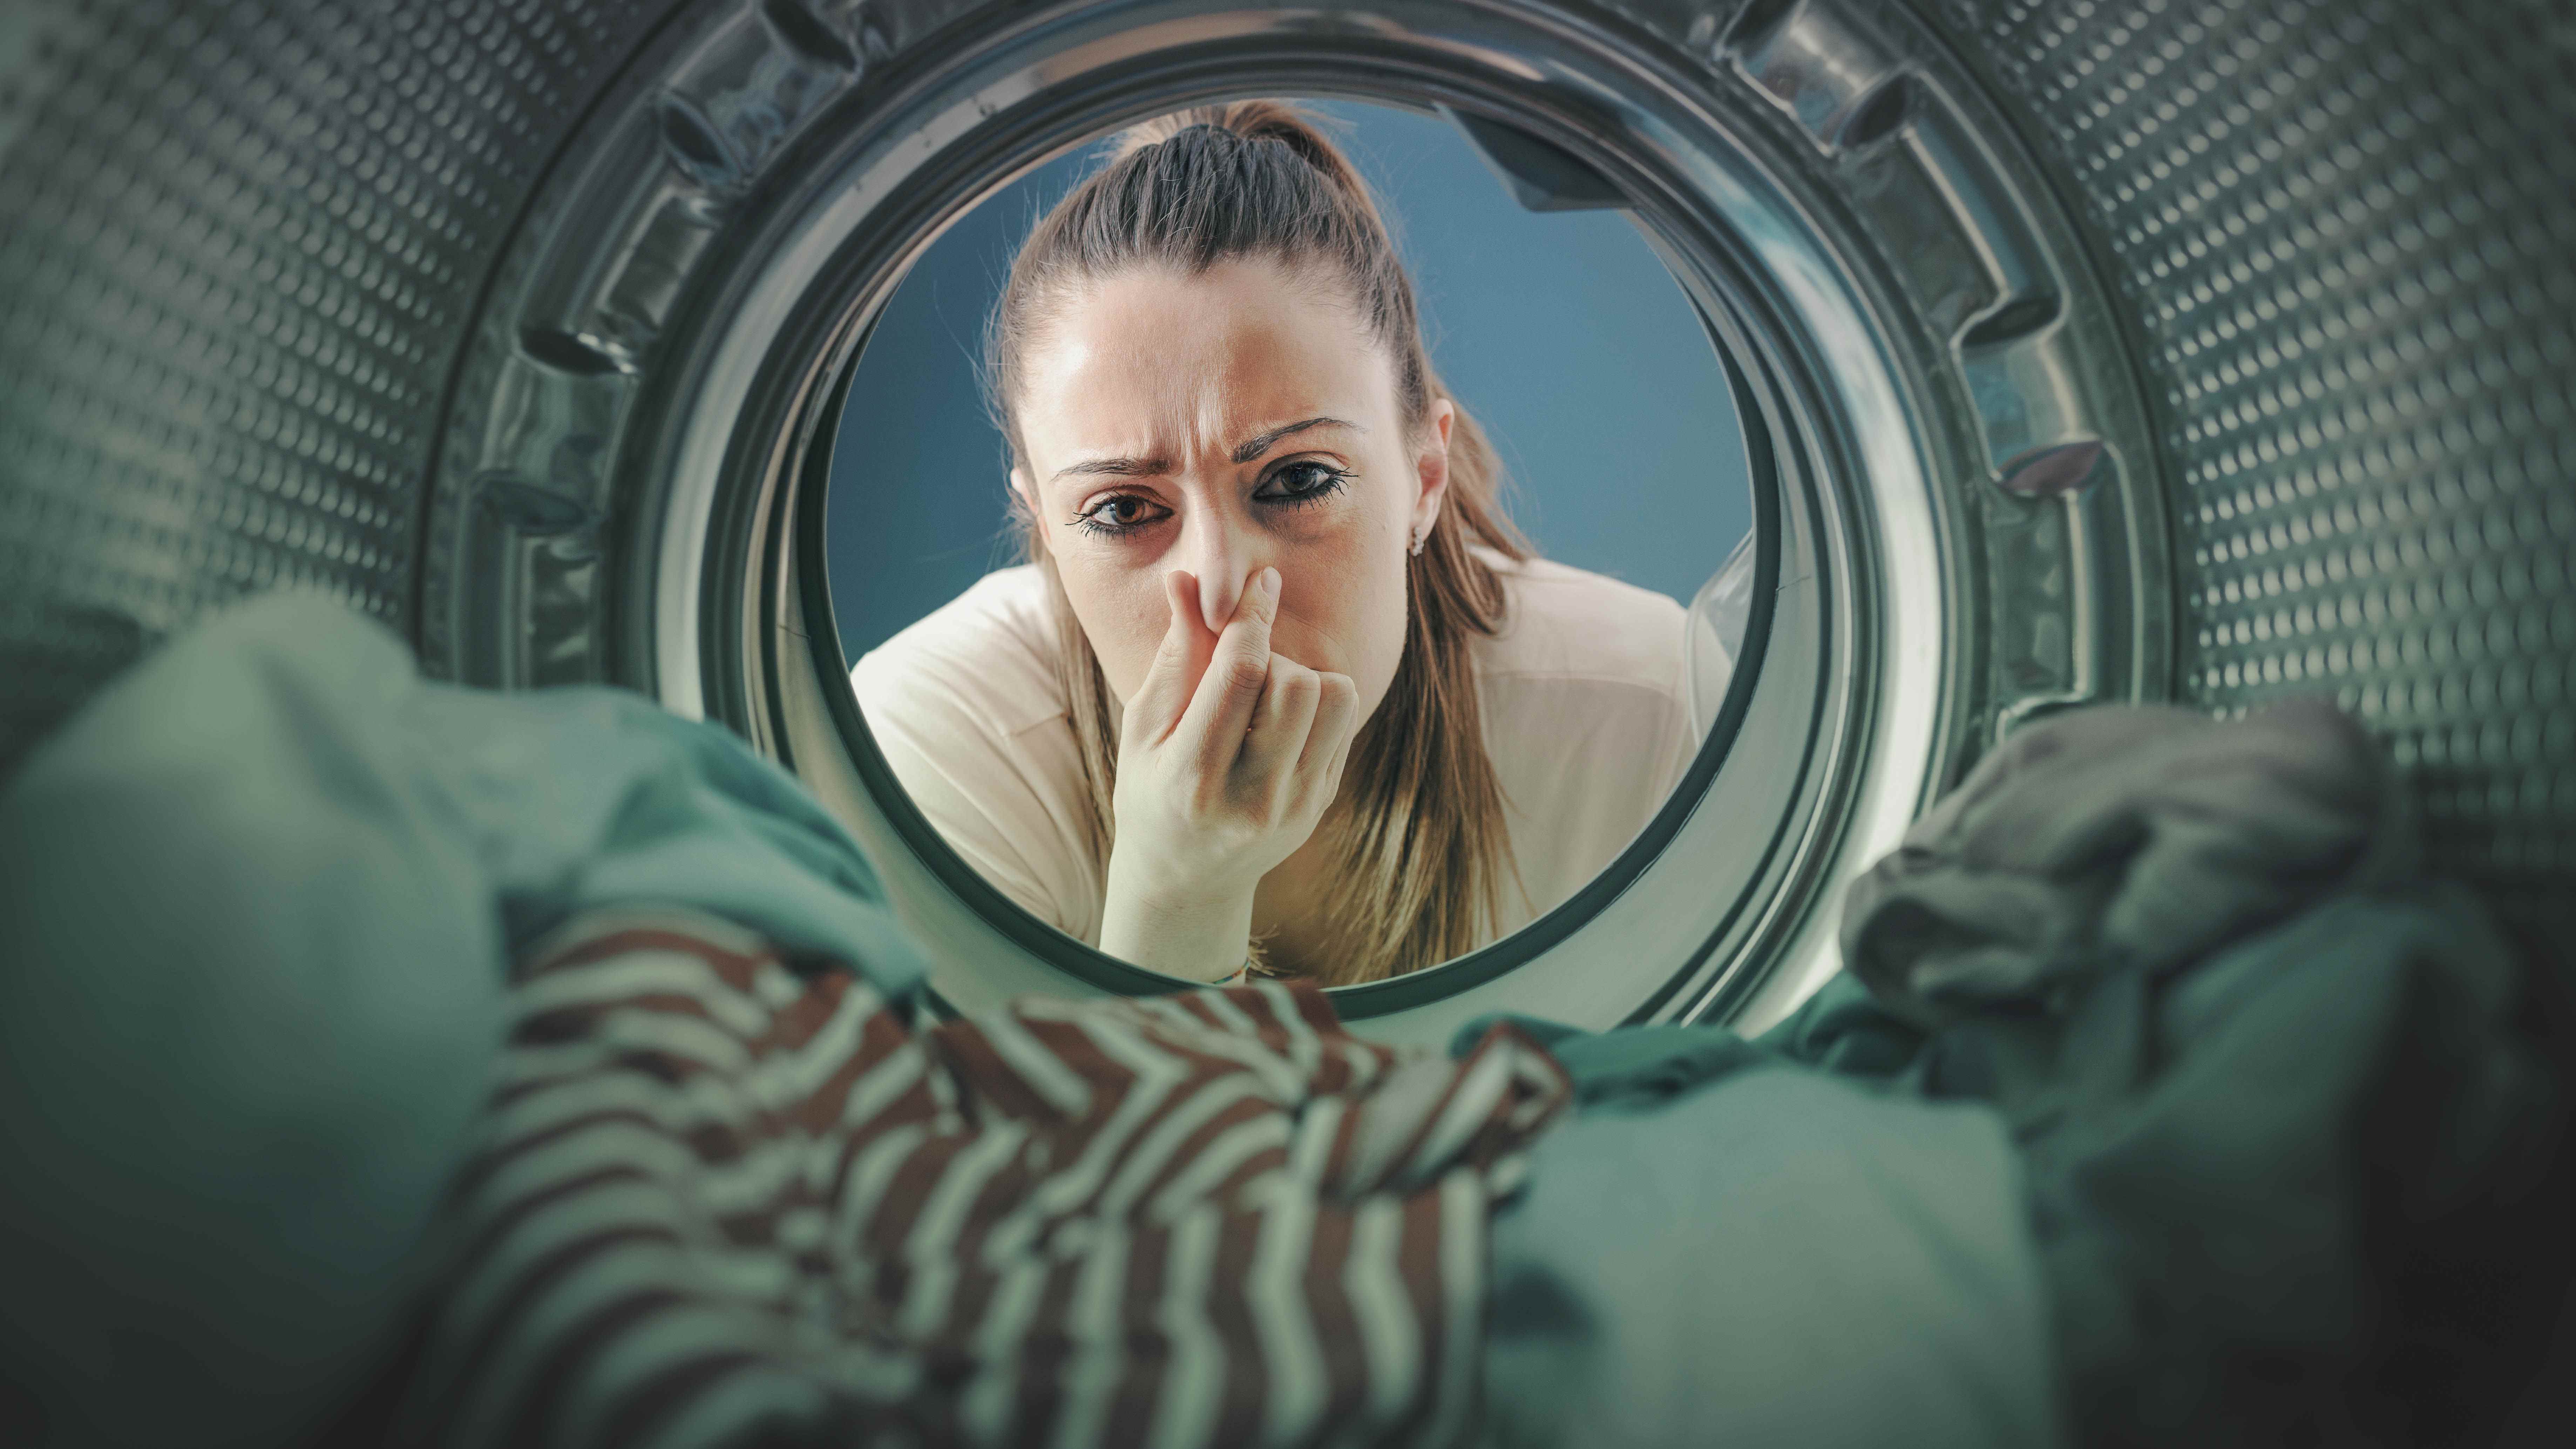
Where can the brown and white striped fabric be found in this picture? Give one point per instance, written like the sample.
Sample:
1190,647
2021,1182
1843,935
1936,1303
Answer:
720,1201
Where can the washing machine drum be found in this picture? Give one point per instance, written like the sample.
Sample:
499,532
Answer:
2215,351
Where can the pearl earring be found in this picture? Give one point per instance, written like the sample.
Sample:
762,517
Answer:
1420,536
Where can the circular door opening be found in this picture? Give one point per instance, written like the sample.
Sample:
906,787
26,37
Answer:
1552,322
1954,517
1632,936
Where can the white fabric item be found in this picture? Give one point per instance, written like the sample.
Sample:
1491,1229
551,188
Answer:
1585,696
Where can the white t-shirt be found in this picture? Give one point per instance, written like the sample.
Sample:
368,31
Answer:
1587,719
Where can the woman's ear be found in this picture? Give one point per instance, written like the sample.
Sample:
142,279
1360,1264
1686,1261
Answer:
1431,466
1025,516
1024,495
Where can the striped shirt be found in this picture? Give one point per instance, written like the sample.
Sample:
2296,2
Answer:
717,1198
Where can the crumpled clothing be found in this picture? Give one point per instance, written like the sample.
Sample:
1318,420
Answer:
2256,1062
1843,1029
2226,1167
1637,1068
1769,1255
257,905
2123,836
1727,1245
715,1203
2261,1084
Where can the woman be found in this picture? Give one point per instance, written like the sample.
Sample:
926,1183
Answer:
1281,684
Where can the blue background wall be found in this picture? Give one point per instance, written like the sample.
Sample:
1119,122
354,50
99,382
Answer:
1561,332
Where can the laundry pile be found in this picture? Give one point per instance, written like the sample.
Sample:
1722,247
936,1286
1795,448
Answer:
2163,1101
2253,1059
716,1199
396,1063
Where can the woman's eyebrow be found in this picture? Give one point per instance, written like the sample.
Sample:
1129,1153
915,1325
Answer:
1254,447
1114,467
1244,452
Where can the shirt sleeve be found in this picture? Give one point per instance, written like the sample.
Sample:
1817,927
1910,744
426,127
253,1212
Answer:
1587,721
1005,801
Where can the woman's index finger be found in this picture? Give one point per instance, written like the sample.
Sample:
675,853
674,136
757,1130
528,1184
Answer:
1179,662
1221,707
1256,611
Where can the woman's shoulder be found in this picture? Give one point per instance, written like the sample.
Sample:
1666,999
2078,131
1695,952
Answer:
1565,622
1585,718
966,705
989,652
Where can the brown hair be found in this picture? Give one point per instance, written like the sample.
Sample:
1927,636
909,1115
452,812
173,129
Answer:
1423,846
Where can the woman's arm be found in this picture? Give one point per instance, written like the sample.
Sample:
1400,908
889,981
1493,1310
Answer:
972,727
1226,759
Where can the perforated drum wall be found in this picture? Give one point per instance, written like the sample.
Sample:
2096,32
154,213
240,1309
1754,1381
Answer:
239,248
2349,232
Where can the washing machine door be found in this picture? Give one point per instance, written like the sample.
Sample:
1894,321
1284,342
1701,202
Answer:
2118,351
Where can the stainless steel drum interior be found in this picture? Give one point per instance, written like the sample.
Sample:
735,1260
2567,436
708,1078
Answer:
2133,349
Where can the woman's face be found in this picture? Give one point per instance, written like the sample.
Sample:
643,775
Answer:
1219,424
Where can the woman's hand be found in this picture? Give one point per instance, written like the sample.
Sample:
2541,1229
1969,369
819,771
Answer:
1227,757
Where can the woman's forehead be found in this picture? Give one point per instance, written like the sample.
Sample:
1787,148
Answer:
1164,360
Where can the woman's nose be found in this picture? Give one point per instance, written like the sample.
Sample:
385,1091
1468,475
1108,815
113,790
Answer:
1224,557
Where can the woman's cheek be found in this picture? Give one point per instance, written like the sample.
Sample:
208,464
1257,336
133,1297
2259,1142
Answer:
1122,612
1339,612
1317,619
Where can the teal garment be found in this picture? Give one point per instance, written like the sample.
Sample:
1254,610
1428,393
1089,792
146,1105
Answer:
2123,835
2177,1196
2264,1087
1725,1245
1769,1255
257,903
2272,1089
2242,1174
1633,1069
1842,1028
1849,1032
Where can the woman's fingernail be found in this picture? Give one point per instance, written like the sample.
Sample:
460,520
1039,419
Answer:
1270,582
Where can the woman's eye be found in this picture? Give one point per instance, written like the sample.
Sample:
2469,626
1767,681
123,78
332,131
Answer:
1121,512
1301,482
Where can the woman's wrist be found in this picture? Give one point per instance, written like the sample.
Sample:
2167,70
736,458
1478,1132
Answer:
1201,937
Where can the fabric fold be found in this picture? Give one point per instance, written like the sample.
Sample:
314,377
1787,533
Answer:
716,1193
2123,836
2251,1085
257,905
2254,1060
